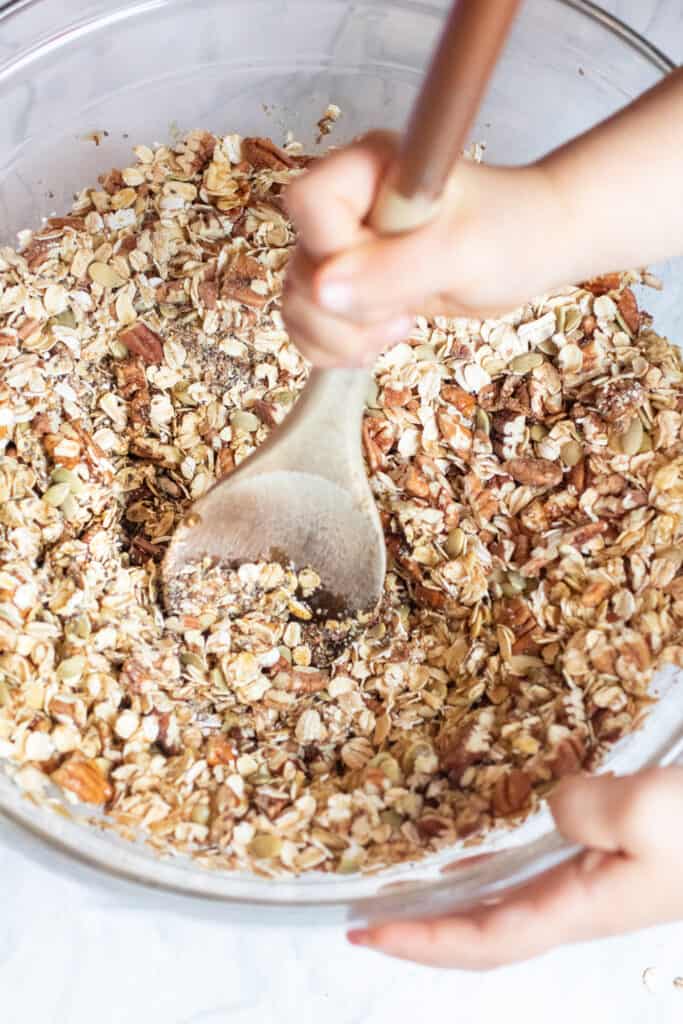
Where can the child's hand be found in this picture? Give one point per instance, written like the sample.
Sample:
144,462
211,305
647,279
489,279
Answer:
486,252
609,200
630,878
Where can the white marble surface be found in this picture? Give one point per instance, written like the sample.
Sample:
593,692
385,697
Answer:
72,952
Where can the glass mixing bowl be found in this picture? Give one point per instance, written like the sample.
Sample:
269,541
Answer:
144,71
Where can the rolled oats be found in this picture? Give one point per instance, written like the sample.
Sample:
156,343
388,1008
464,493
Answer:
529,475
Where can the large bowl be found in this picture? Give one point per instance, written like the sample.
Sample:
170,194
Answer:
141,72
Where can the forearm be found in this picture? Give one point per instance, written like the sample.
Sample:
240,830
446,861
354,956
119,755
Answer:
621,185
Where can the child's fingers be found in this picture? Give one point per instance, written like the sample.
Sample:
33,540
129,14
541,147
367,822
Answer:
384,274
567,904
328,341
621,813
330,201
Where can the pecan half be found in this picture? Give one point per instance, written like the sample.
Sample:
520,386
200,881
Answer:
83,777
534,472
143,342
263,153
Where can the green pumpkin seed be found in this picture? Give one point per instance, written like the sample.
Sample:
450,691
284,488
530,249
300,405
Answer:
538,432
571,453
527,362
64,319
67,476
56,495
482,421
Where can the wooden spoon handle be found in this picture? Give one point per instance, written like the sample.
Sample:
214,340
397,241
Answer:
461,67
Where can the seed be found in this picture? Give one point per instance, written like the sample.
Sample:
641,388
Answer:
572,318
56,495
493,365
482,421
66,476
646,445
264,847
64,319
538,432
455,543
525,363
548,347
118,350
70,508
571,453
247,421
102,273
71,668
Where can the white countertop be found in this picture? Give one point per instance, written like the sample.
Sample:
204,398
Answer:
72,952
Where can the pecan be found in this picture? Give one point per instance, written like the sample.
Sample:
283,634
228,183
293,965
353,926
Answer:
416,483
581,535
132,383
400,553
396,397
463,401
83,778
225,461
568,756
208,293
143,342
306,680
112,182
534,472
430,598
511,792
220,750
263,153
628,307
618,400
602,284
145,549
236,282
272,806
265,412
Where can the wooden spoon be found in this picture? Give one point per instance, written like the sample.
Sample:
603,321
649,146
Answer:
303,499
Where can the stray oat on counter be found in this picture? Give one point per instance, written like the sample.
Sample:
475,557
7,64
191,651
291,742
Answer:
529,473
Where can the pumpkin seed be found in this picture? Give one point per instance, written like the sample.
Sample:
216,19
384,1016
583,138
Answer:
482,421
572,318
264,847
66,476
56,495
560,318
493,365
102,273
528,361
646,445
548,347
69,507
538,432
247,421
455,543
64,319
571,453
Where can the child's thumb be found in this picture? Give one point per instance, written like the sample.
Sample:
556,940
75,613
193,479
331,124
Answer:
382,278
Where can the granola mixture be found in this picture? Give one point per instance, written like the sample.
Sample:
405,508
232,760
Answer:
529,472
